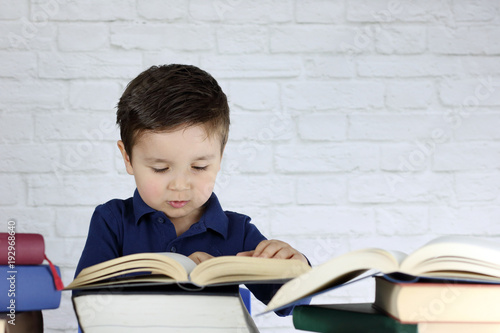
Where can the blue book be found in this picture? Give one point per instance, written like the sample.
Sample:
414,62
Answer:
28,288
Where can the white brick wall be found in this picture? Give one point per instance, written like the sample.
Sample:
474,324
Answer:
355,123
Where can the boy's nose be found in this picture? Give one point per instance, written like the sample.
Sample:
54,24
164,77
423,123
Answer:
180,181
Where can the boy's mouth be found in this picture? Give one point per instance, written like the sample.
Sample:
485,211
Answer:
177,204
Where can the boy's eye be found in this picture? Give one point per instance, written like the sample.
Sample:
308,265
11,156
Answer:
159,170
200,168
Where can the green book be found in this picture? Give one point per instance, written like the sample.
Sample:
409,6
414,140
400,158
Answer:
347,318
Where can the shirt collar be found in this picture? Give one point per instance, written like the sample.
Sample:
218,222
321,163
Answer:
213,218
140,207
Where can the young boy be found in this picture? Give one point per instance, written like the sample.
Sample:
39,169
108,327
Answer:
174,124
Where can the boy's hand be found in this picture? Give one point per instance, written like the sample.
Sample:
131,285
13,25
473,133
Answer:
199,257
274,248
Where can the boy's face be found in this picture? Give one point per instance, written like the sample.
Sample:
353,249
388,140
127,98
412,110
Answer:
175,171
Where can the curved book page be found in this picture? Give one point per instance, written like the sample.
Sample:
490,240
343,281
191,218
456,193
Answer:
455,256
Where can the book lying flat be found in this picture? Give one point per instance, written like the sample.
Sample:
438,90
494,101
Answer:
347,318
176,268
449,257
363,317
26,249
438,302
23,248
28,288
30,321
162,309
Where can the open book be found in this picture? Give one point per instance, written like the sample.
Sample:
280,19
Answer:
448,257
174,267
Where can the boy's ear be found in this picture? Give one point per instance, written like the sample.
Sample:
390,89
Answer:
126,158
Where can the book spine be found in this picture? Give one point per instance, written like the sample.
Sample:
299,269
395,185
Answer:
21,249
318,319
28,288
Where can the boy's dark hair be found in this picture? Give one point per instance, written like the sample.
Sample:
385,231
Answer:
169,97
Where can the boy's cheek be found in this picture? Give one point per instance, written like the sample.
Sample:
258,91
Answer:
150,186
207,189
155,189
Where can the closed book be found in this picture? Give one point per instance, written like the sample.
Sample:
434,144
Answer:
28,288
22,322
26,249
363,317
347,318
21,248
450,301
165,308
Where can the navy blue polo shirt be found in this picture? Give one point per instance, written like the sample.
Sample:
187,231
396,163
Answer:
122,227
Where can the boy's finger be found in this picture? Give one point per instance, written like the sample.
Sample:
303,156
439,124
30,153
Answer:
199,257
284,253
246,253
261,247
268,250
300,256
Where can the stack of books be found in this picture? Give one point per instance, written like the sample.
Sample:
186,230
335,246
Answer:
164,292
27,284
451,284
364,317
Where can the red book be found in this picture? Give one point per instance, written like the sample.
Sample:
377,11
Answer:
25,249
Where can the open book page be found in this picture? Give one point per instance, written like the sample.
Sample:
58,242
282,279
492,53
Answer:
336,271
155,263
455,256
174,267
398,256
230,269
186,262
